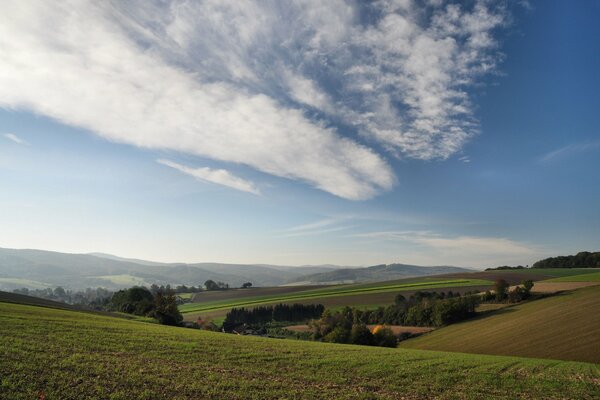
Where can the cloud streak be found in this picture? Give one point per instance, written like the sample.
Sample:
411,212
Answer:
569,151
308,91
14,138
217,176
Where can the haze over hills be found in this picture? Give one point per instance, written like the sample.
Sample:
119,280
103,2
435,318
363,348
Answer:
39,268
383,272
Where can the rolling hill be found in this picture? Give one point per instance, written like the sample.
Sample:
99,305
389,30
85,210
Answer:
565,326
39,269
54,353
384,272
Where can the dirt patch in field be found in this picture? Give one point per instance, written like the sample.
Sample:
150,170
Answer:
250,292
397,329
511,277
554,287
298,328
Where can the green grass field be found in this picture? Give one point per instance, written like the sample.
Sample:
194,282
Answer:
76,355
334,296
590,277
565,326
556,272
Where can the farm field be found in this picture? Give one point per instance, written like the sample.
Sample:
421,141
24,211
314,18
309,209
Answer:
564,326
334,296
589,277
65,354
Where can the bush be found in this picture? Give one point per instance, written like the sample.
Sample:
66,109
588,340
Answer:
339,334
384,337
360,334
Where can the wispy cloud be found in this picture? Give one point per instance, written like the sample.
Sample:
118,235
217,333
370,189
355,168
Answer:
569,151
218,176
467,245
320,227
14,138
279,87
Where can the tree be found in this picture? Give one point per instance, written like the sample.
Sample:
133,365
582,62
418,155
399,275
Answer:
360,334
501,289
136,300
384,337
165,309
247,285
211,285
528,285
399,299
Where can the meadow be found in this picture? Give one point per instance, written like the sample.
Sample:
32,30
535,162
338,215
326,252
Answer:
563,326
76,355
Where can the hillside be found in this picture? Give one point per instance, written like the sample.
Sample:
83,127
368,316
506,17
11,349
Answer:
375,273
564,326
65,354
39,269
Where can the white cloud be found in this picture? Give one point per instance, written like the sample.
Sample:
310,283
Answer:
239,82
14,138
569,151
218,176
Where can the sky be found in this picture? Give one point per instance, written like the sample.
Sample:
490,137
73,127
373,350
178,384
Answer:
302,132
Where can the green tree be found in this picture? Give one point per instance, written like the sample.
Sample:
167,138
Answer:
211,285
399,299
384,337
501,289
528,285
165,310
360,334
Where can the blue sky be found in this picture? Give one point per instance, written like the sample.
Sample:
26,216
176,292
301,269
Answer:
428,133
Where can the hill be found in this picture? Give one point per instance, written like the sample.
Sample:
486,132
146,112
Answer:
65,354
384,272
39,269
565,326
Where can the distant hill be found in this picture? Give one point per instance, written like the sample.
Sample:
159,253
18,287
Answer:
384,272
38,269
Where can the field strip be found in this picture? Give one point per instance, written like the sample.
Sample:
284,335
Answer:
188,308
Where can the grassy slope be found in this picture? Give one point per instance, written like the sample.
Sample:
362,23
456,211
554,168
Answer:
564,326
73,355
593,277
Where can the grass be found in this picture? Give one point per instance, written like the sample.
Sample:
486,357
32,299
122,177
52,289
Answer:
75,355
593,277
564,326
334,291
556,272
24,283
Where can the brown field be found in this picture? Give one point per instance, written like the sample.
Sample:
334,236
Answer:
554,287
397,329
217,295
511,277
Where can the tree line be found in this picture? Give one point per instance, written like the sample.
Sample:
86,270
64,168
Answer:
95,299
584,259
265,314
140,301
